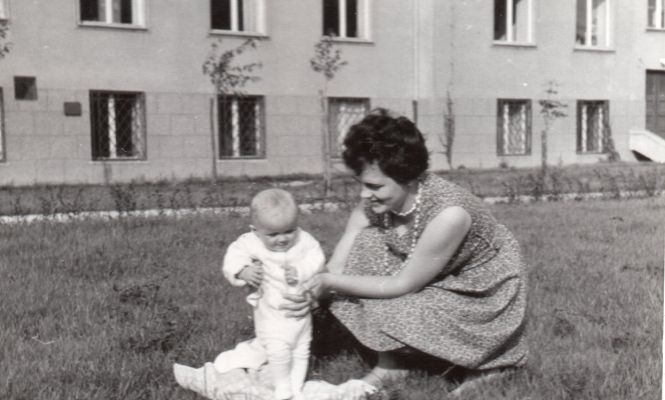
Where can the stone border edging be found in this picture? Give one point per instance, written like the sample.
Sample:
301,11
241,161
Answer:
306,208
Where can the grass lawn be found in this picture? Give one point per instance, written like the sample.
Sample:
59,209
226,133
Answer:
102,309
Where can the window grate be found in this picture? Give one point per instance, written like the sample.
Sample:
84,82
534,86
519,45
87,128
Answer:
592,126
118,125
343,112
2,127
241,127
514,127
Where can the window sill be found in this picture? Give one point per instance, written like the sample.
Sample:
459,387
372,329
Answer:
593,49
119,160
105,25
654,29
242,159
219,32
350,40
514,155
592,153
514,44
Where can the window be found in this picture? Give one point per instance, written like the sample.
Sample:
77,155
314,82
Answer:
592,125
513,21
514,127
657,14
343,112
241,127
118,128
25,88
593,23
237,15
2,128
346,18
125,12
4,14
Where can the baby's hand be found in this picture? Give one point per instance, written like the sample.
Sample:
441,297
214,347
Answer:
290,274
252,274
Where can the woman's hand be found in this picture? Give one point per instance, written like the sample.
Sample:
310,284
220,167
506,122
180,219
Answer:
303,304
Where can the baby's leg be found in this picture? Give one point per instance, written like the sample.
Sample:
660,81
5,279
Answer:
301,359
279,361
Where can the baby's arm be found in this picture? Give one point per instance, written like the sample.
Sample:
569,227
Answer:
252,274
240,268
312,261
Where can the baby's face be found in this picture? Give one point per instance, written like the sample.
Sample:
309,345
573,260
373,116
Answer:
277,232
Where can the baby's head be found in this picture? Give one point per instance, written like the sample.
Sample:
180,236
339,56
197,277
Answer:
274,216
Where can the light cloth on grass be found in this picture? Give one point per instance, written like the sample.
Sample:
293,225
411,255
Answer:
250,384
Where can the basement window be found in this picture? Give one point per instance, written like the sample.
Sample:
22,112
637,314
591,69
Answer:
344,112
593,119
2,127
118,127
513,127
241,127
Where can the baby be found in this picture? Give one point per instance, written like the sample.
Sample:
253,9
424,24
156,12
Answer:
277,257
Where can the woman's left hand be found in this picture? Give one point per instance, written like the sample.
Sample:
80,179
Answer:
303,304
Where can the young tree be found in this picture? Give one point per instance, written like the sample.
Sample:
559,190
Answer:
551,110
4,33
227,79
448,136
328,61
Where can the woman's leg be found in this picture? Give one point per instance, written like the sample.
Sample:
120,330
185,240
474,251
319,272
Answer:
388,368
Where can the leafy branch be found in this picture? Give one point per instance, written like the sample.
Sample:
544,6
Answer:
5,45
327,58
227,78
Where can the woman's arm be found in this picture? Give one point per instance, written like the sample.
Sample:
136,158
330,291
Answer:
437,244
357,222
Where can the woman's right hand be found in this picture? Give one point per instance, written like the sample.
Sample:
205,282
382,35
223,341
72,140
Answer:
303,304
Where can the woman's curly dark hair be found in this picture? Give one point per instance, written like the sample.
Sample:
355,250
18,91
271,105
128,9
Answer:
394,143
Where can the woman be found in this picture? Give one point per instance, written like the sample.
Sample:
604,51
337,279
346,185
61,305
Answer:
422,265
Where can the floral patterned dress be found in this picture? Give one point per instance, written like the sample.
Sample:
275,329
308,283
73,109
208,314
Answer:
472,314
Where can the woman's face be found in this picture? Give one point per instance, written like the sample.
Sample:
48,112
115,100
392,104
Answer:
382,192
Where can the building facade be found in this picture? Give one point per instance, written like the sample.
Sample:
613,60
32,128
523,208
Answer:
98,91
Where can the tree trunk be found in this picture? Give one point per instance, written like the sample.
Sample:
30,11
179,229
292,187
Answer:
325,147
212,141
543,152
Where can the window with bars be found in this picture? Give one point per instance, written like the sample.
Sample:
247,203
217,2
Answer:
593,23
2,127
656,14
346,18
592,126
513,21
124,12
513,127
237,15
118,125
241,127
343,112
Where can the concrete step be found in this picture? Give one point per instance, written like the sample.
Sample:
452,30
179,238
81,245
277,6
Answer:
648,144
